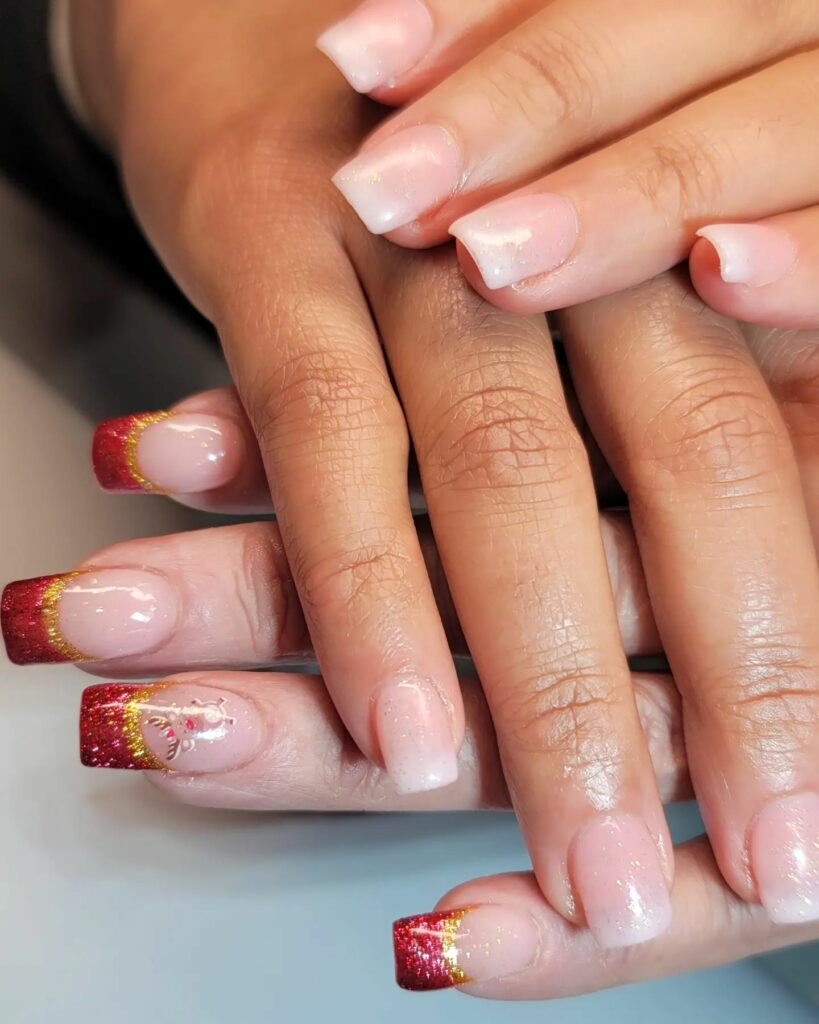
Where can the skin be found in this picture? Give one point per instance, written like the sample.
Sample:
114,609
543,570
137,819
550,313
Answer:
234,192
690,427
711,925
232,189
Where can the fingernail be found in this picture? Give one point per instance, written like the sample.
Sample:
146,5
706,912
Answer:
380,41
180,726
616,872
86,616
456,947
393,182
168,453
415,736
784,852
518,238
751,254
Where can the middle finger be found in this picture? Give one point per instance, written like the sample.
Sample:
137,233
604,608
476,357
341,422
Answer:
513,508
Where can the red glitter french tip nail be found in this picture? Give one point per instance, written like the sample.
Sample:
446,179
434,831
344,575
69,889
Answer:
174,725
114,452
426,954
29,614
110,727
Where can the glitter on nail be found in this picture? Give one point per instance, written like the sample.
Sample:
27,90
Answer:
29,611
111,727
114,452
426,951
114,717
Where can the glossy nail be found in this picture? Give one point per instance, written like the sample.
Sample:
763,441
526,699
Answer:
87,616
186,727
615,869
514,239
784,854
394,182
179,453
380,41
456,947
751,254
415,736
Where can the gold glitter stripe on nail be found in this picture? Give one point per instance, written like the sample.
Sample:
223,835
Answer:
449,947
131,445
132,728
51,618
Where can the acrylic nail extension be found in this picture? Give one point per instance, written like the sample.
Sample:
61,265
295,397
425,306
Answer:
751,254
457,947
185,727
380,41
415,736
518,238
615,869
86,616
394,182
784,855
166,453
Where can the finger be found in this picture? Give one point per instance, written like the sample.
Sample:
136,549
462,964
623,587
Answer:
561,241
211,180
515,517
201,451
573,77
312,378
762,273
497,938
275,742
789,361
225,597
682,411
394,49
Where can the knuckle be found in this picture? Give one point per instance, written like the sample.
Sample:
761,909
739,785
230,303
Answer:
770,704
370,571
717,429
265,595
549,70
680,173
328,397
567,712
501,437
790,363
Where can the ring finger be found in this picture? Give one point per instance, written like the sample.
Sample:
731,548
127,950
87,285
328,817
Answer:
691,429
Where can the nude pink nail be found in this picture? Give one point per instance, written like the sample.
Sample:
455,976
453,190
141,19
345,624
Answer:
751,254
393,182
415,736
784,853
172,453
518,238
87,616
615,869
380,41
186,727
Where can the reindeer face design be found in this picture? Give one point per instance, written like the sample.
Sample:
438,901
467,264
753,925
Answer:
196,722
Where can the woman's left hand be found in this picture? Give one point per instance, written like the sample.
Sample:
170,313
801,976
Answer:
616,133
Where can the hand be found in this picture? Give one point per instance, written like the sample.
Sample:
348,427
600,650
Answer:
305,760
622,132
227,124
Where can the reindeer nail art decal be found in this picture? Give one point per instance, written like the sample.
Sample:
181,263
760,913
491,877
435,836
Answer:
177,726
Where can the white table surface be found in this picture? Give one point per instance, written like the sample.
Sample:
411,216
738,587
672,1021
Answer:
119,906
